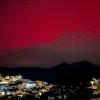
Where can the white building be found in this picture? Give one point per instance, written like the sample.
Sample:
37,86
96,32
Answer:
28,85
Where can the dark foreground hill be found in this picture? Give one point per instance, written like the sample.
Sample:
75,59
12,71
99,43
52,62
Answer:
60,74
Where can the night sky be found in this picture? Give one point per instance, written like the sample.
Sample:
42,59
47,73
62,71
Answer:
44,33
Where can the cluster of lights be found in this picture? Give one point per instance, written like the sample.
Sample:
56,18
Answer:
17,86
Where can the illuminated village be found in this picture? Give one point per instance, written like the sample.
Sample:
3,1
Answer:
16,86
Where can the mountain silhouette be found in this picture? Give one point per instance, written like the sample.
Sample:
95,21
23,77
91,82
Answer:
60,74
